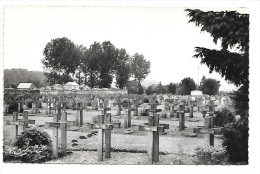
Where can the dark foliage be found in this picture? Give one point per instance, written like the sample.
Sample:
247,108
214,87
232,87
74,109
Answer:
223,117
186,86
232,29
209,86
236,141
32,146
13,107
32,137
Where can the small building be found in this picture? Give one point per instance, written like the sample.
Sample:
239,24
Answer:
71,86
196,92
134,87
25,86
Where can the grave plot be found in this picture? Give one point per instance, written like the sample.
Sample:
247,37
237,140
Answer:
160,142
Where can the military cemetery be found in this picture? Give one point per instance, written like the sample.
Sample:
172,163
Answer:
94,108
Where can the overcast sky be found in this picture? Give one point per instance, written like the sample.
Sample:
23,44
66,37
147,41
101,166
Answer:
163,35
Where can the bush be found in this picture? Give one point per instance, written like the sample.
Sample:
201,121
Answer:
31,154
32,137
32,146
236,141
223,117
210,155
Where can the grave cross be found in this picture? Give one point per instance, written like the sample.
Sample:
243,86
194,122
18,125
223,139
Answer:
118,109
20,122
171,110
63,130
136,104
103,129
208,130
153,138
191,103
127,116
79,115
181,117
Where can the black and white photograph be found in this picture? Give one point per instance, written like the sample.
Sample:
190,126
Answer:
130,85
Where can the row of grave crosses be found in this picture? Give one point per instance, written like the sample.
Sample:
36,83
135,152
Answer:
22,100
104,126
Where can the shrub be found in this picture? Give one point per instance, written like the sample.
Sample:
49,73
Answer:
210,155
223,117
236,141
32,146
32,137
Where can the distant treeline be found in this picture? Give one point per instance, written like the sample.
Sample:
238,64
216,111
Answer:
12,77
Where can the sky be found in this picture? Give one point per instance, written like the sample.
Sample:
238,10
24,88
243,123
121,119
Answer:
162,34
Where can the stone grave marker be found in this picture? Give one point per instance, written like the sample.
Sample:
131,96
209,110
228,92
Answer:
153,139
181,116
136,104
104,130
118,108
191,105
63,130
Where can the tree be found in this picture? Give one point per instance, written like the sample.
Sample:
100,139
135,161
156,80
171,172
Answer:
172,88
122,71
55,78
81,53
232,29
91,67
140,67
186,86
149,90
107,63
209,86
160,89
61,57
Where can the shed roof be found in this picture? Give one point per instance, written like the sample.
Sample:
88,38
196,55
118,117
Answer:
24,86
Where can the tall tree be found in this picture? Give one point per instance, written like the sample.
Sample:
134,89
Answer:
122,70
91,59
172,88
61,57
232,30
209,86
107,64
81,52
160,89
140,67
186,86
